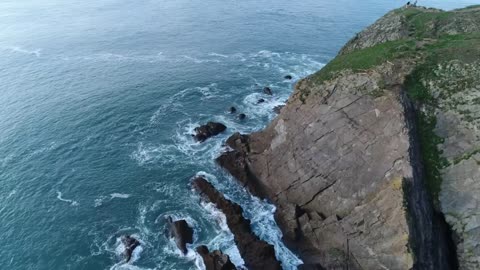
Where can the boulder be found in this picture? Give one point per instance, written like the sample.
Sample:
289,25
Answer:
232,110
130,244
288,77
256,253
181,232
267,90
242,116
261,101
210,129
215,260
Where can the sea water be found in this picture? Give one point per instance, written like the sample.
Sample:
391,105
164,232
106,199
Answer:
98,101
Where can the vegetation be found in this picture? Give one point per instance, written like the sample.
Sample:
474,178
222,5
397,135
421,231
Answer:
367,58
430,43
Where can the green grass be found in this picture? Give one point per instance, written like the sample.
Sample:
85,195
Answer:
364,59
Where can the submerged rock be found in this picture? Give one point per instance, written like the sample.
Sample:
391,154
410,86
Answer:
130,244
242,116
181,232
288,77
256,253
210,129
232,110
261,101
267,90
215,260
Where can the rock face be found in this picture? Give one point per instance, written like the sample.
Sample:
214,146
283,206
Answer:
350,161
256,253
181,232
210,129
457,117
215,260
335,168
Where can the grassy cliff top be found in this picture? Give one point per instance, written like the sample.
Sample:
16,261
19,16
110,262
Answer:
415,32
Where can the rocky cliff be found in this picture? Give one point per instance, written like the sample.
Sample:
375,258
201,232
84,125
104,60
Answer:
374,152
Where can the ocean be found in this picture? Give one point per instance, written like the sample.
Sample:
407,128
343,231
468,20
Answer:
98,101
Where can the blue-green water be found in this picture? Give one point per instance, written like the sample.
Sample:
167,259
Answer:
97,103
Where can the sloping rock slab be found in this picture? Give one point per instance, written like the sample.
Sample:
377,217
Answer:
215,260
256,253
181,232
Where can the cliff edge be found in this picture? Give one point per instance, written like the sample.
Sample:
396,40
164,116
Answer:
376,156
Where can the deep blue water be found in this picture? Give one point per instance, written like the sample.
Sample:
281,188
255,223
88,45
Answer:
97,103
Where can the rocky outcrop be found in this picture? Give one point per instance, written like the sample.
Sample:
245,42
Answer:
256,253
353,162
181,232
267,90
457,116
335,167
215,260
130,244
210,129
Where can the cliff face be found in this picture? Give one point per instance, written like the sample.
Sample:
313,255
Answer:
368,150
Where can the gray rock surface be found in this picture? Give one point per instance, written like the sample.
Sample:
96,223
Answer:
458,123
344,160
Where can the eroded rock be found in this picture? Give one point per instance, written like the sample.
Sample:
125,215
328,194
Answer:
210,129
215,260
181,232
130,244
267,90
256,253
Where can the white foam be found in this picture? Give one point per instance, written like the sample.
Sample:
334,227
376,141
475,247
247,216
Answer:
99,201
153,154
200,61
119,196
119,251
18,49
217,215
218,55
72,202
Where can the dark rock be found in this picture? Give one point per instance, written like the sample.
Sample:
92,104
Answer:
261,101
232,110
181,232
215,260
267,90
288,77
278,108
256,253
242,116
210,129
130,244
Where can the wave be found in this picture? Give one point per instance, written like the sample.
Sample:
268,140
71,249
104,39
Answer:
72,202
154,154
18,49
